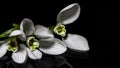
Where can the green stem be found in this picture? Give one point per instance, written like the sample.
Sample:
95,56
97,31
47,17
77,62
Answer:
51,28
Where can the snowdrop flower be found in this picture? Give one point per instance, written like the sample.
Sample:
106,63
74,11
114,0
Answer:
66,16
37,39
14,46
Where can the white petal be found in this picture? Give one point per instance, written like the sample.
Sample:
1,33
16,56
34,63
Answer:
76,42
15,33
27,26
3,49
18,33
36,54
21,55
53,46
69,14
42,32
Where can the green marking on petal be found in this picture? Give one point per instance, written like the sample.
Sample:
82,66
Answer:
32,43
60,30
13,44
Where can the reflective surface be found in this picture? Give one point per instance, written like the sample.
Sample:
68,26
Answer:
60,61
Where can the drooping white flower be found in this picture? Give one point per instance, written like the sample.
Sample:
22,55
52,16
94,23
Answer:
66,16
17,49
37,39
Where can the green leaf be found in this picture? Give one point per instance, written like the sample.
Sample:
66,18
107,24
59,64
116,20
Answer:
6,33
16,25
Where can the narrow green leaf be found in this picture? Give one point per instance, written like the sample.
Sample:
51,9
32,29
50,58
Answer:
6,33
16,26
